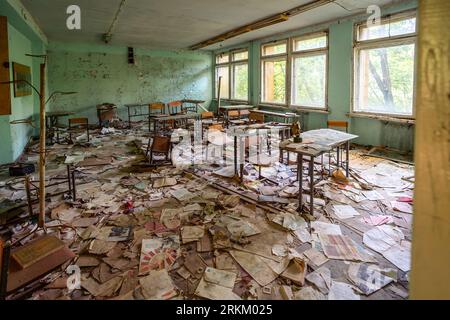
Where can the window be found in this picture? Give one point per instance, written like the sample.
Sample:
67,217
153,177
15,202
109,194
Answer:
303,61
274,61
309,71
233,68
385,67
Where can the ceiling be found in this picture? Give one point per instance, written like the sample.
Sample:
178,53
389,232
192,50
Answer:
178,24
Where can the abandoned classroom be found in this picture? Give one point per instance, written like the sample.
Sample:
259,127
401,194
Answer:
224,150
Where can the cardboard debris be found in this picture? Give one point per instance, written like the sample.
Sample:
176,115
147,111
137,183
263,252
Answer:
315,257
254,266
296,271
321,278
192,233
157,286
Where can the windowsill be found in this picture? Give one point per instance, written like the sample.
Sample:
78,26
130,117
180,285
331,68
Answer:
388,118
295,109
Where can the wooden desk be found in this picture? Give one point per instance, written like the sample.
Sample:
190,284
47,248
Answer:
196,104
51,121
285,116
158,118
318,142
135,106
239,108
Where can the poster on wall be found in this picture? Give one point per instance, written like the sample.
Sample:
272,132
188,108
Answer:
21,72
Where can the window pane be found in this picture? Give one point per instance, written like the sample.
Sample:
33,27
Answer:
243,55
224,88
312,43
386,80
223,58
240,82
387,29
274,81
271,49
309,80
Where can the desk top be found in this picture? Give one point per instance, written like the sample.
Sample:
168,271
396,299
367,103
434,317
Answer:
192,101
135,105
174,117
276,114
59,113
316,142
237,107
328,137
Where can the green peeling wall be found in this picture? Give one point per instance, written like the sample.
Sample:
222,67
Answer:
371,132
23,39
101,73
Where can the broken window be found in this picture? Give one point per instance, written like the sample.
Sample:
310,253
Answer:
385,67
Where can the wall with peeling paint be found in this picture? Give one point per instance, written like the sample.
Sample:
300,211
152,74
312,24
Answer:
101,73
23,38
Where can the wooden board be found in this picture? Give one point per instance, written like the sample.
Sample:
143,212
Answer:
5,91
35,251
19,277
430,276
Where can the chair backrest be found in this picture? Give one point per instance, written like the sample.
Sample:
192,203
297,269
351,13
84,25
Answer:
174,105
337,124
78,122
158,106
207,115
217,127
233,114
256,117
161,144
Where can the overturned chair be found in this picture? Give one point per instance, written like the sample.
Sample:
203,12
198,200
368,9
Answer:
159,145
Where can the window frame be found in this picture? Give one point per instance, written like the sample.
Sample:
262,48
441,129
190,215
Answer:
231,64
290,55
310,53
384,42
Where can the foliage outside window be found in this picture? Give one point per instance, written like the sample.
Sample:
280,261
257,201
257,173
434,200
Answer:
273,73
309,71
233,68
302,60
385,67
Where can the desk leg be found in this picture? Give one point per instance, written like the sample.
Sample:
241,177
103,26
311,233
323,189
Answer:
311,186
69,179
129,119
27,189
235,155
347,158
74,192
241,158
338,156
300,181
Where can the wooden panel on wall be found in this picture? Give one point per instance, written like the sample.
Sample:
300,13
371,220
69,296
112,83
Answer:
430,276
5,92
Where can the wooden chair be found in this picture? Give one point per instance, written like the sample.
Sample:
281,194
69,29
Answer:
174,106
159,144
207,115
77,125
155,108
340,125
254,117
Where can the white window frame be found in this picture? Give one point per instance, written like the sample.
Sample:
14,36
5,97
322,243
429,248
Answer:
310,53
289,56
275,57
358,45
230,64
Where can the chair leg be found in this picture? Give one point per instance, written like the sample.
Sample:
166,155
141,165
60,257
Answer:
87,130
